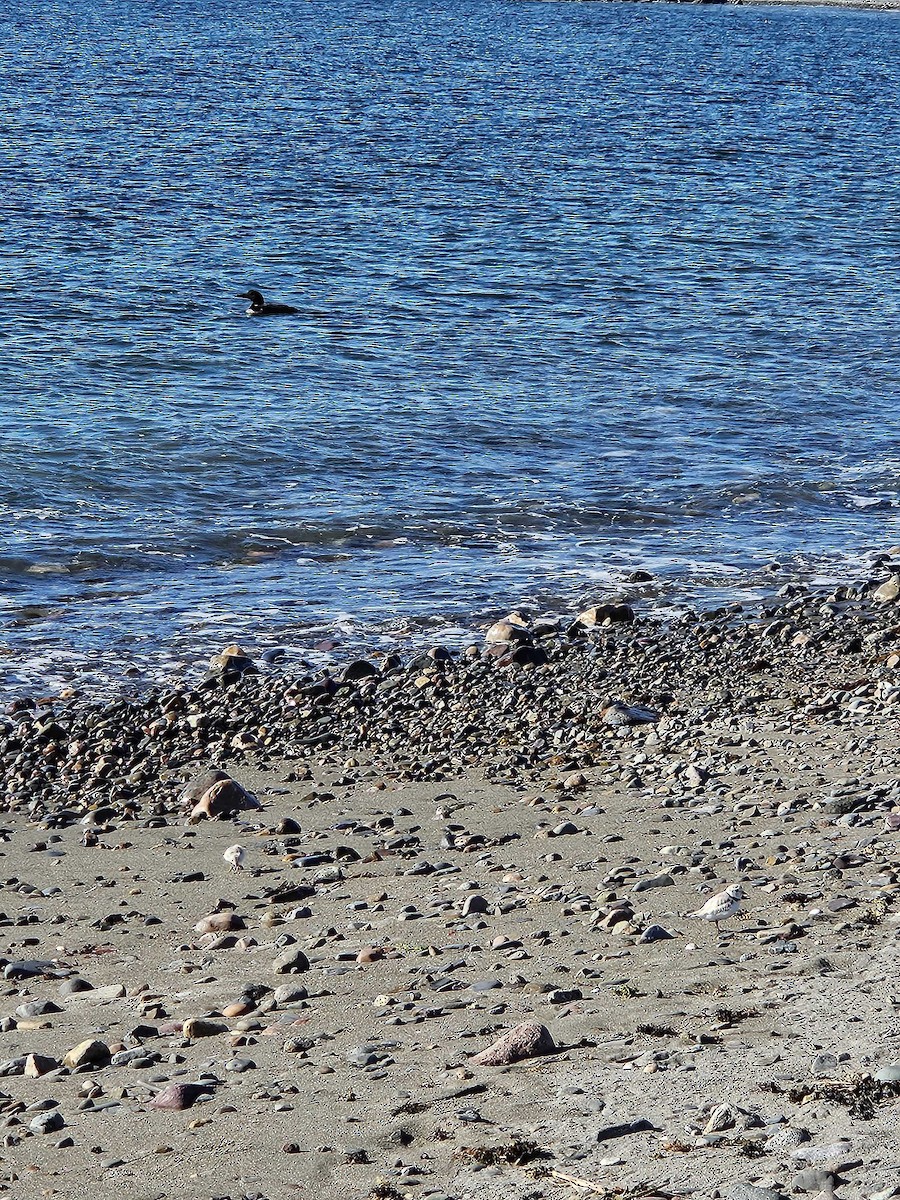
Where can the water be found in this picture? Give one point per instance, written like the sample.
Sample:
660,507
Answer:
583,288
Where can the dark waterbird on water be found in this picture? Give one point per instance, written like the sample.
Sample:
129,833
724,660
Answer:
261,308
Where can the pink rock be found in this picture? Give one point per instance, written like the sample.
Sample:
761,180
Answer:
370,954
225,798
179,1095
528,1040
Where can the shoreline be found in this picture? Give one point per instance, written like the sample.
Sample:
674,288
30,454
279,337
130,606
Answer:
444,850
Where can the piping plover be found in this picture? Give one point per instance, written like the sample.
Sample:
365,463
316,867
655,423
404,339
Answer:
236,856
722,906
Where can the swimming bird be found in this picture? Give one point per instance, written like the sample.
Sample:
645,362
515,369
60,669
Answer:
722,906
262,308
236,856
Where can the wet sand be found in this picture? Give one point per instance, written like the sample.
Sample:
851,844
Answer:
445,850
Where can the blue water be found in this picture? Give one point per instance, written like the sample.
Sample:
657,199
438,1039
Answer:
583,288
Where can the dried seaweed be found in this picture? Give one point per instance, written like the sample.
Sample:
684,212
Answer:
874,914
652,1030
733,1016
859,1094
517,1153
384,1191
621,1191
676,1146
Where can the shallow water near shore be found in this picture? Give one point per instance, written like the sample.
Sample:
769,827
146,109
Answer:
582,289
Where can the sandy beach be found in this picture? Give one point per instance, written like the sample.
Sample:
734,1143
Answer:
445,851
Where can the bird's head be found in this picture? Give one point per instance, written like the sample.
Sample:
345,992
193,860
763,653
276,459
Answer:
736,892
253,296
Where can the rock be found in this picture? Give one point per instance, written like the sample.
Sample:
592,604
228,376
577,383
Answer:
228,667
37,1065
512,631
69,987
37,1008
225,798
888,1074
291,962
524,656
361,669
89,1053
605,614
655,933
290,993
199,785
656,881
815,1179
527,1040
723,1116
47,1122
749,1191
609,1132
239,1065
178,1096
563,829
888,591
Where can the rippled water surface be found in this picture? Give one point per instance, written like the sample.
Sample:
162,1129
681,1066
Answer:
582,287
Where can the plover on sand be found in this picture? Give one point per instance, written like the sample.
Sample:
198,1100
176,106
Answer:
722,906
236,856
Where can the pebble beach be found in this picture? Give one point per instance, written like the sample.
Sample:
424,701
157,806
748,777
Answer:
458,953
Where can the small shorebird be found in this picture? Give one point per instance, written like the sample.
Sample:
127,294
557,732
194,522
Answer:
722,906
236,856
262,308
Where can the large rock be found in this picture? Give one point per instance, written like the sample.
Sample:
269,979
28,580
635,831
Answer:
510,632
37,1065
47,1122
195,788
89,1053
228,667
225,798
528,1040
605,614
888,591
178,1096
292,962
